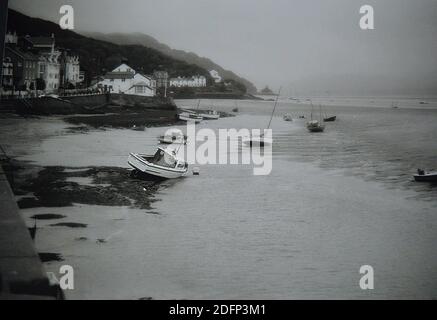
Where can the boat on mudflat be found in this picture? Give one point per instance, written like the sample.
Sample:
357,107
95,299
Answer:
210,115
185,116
163,163
423,176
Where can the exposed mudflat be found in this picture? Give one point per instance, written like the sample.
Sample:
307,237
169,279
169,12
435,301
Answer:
111,186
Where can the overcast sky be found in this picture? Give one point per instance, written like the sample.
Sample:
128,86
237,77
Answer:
306,45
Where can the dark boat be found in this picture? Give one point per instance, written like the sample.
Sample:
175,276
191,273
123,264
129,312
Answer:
423,176
330,119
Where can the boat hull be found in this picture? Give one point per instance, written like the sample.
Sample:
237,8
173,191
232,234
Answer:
210,116
330,119
316,129
188,118
430,177
139,162
257,142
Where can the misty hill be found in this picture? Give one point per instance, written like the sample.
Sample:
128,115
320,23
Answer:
189,57
97,56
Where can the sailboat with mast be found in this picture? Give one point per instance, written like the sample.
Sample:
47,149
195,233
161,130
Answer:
261,141
315,125
329,118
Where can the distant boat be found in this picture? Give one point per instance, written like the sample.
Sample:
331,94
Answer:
174,136
315,125
330,119
185,116
261,141
210,115
287,117
394,105
163,163
423,176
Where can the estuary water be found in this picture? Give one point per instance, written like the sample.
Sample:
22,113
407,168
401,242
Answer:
333,202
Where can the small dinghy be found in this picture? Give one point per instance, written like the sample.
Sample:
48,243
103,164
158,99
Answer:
163,163
287,117
185,116
423,176
173,136
210,115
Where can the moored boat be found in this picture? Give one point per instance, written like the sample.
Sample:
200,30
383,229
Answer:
185,116
315,126
210,115
329,119
257,141
173,136
287,117
423,176
163,163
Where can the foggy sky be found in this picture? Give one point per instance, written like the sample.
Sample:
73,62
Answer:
306,46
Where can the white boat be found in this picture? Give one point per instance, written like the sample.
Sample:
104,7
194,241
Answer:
185,116
163,163
287,117
173,136
423,176
210,115
315,126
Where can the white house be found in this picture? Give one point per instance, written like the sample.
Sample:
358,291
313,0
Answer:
216,76
193,82
71,69
49,69
124,79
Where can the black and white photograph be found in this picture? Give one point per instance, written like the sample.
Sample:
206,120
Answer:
218,150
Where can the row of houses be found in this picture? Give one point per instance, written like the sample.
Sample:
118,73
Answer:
32,63
35,63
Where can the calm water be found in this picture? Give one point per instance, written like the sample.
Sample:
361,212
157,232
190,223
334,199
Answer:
333,202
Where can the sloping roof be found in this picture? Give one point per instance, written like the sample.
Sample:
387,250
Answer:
145,76
119,75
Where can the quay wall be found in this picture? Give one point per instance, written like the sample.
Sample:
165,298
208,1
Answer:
82,104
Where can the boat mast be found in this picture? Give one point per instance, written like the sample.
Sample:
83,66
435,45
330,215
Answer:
312,107
274,107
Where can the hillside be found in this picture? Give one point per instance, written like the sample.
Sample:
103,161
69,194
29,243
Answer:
189,57
97,56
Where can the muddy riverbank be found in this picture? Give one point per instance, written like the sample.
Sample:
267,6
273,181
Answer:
56,186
